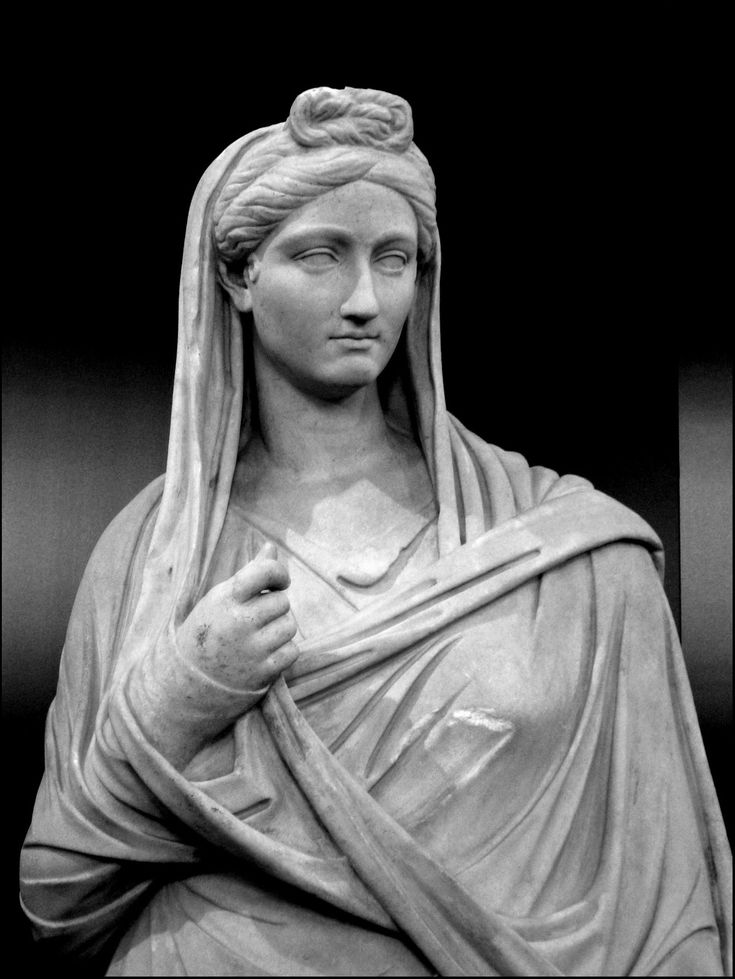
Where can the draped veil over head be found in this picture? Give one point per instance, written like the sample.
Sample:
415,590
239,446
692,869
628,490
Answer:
479,774
330,138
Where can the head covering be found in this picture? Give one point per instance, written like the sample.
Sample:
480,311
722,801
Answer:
605,726
331,138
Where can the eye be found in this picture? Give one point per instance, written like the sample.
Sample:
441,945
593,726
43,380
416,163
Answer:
393,262
321,259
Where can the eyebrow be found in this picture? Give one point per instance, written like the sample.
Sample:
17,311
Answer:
340,236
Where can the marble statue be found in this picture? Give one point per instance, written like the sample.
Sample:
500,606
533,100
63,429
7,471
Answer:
350,691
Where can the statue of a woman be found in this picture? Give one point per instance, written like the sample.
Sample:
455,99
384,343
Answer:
350,691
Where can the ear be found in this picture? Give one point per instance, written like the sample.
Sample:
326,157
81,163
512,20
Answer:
237,286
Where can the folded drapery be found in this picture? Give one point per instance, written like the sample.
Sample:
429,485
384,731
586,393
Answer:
435,770
489,766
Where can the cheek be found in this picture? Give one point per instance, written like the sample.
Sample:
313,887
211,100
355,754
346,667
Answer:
399,303
287,310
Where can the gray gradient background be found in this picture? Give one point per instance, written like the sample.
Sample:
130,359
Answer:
579,328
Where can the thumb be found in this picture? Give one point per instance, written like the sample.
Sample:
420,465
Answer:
268,550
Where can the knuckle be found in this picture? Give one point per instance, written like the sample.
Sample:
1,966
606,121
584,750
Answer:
288,654
283,606
275,570
282,658
287,628
291,650
237,584
273,605
258,567
277,632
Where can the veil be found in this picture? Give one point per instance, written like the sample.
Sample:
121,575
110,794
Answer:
211,416
500,523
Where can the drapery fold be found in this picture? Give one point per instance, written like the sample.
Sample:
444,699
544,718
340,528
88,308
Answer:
494,770
291,810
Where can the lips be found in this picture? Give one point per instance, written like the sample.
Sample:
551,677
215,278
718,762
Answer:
356,336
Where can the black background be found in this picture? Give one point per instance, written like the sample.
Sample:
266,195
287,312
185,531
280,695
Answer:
579,200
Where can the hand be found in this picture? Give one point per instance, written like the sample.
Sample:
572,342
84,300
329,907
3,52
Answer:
240,634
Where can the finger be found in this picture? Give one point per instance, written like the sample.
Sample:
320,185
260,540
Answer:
259,575
265,608
272,666
282,658
268,550
277,633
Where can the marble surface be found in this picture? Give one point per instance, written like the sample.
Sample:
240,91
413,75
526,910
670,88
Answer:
349,690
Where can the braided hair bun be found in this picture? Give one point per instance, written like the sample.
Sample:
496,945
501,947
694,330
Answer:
351,116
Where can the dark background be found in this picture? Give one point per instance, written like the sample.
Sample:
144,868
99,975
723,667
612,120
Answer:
579,201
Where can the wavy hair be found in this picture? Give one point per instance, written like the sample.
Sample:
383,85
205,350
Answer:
331,138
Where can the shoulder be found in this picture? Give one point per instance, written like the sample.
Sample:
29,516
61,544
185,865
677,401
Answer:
125,539
106,593
513,485
634,569
569,513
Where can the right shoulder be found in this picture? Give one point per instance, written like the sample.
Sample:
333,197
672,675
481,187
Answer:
124,543
106,596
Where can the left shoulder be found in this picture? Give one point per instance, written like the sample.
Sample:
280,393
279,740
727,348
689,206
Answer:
509,476
633,574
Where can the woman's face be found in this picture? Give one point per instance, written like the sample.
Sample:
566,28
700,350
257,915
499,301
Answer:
331,288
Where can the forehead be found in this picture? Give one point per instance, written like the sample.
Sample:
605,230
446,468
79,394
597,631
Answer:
363,210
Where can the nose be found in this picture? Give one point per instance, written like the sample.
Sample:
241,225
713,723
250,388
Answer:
362,303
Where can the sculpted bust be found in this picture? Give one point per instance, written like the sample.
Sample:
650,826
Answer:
349,690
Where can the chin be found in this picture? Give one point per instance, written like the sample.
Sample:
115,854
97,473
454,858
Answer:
345,382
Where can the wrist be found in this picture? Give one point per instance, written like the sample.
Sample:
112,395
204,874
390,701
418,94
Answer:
179,707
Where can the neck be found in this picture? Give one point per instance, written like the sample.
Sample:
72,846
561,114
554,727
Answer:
315,438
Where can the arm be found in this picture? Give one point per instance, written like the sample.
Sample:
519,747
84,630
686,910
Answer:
101,840
221,661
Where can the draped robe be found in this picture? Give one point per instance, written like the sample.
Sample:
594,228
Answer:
490,767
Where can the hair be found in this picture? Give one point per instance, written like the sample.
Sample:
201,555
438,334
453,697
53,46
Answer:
331,138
